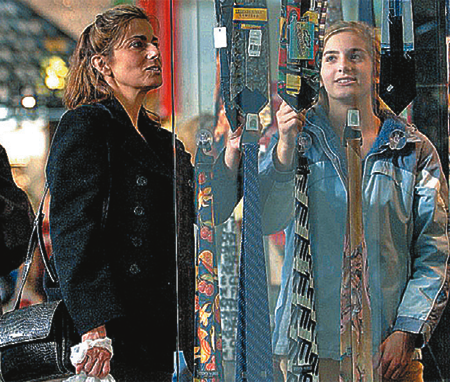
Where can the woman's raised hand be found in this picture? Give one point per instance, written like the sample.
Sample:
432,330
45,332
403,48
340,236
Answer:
290,123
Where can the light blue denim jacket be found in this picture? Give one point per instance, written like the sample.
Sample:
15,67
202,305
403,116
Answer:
405,205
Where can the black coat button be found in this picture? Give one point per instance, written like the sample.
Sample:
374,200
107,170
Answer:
139,211
141,181
136,241
134,269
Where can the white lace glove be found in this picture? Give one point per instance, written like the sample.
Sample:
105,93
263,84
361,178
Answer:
78,354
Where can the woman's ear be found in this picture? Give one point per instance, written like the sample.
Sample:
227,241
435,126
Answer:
99,62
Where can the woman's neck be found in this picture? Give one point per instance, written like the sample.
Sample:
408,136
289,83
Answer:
338,117
132,106
369,122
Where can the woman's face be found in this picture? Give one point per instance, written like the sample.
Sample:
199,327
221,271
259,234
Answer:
347,69
136,63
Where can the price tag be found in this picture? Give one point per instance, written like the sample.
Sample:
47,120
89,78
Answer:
254,43
220,37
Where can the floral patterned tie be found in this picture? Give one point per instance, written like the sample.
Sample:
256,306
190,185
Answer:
208,346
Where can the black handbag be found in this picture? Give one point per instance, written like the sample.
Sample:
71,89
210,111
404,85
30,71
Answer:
35,341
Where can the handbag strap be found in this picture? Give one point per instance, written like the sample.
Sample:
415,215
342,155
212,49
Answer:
37,238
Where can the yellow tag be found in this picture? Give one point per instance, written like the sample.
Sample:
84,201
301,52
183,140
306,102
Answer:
293,84
250,14
250,26
312,16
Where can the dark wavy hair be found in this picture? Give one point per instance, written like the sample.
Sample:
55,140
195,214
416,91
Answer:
85,85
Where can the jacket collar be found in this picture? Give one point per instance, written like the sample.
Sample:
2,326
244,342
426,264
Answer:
391,124
394,134
154,153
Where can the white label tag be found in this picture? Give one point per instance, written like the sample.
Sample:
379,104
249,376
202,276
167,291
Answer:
220,37
353,118
254,43
252,122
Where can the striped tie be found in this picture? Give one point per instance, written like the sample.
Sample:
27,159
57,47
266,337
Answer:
301,44
303,352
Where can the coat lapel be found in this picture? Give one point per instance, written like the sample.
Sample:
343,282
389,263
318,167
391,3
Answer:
153,153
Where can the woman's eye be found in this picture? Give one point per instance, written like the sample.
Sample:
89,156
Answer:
137,44
330,58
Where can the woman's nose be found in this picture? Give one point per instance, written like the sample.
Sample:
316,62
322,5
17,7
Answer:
152,52
344,65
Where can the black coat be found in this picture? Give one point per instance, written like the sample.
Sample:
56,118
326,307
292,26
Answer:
112,225
16,217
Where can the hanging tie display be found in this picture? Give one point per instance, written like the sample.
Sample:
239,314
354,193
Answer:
301,43
356,323
249,57
244,59
303,352
397,76
249,82
301,36
222,34
366,12
208,340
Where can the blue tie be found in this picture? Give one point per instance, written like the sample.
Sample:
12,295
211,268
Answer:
366,13
246,74
253,344
224,16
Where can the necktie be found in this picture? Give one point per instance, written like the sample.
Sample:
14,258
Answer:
350,10
249,89
303,352
249,56
208,351
253,342
228,271
298,73
224,16
366,13
245,76
301,38
356,326
397,76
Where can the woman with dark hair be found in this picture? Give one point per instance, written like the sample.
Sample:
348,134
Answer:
405,204
122,244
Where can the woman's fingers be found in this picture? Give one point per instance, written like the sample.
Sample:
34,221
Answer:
106,369
96,363
289,120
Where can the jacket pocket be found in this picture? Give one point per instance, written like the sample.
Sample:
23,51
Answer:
392,187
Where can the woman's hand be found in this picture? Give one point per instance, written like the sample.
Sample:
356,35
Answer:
396,354
97,360
290,123
233,149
